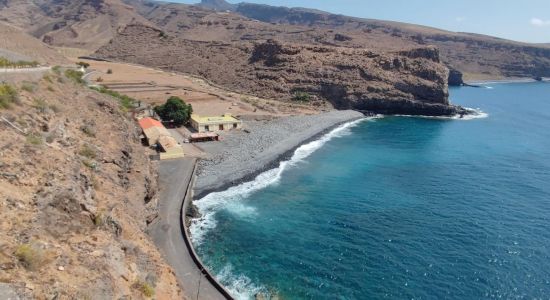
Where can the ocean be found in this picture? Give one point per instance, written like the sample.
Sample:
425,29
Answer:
397,208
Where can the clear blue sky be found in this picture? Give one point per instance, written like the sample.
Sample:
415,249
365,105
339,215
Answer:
521,20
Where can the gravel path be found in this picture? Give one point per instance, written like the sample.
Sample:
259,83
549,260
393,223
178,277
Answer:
242,155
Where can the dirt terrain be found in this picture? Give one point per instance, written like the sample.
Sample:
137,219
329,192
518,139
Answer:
405,82
77,191
16,45
154,86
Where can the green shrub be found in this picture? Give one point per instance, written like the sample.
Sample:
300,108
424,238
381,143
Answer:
85,65
29,87
75,76
145,288
8,95
31,257
175,110
301,97
126,102
88,152
48,78
109,71
40,104
34,139
57,70
50,88
5,63
88,130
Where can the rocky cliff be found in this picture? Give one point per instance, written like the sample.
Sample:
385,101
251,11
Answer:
77,191
476,56
404,82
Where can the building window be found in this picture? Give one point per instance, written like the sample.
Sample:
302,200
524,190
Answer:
206,128
234,125
221,126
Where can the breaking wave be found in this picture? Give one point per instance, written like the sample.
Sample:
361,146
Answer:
231,199
476,113
240,286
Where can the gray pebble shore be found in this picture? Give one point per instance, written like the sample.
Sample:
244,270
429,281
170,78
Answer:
242,155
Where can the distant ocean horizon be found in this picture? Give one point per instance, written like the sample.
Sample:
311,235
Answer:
397,208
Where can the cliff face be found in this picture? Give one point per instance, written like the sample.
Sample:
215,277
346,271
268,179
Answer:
476,56
412,81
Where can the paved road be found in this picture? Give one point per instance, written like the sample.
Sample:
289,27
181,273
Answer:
175,176
24,70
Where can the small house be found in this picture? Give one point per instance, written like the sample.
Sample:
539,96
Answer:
156,134
218,123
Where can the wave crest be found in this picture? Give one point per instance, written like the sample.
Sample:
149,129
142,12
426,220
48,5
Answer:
230,198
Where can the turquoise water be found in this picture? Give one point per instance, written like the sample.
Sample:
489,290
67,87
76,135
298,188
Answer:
398,208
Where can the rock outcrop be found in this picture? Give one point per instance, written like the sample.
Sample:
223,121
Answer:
410,81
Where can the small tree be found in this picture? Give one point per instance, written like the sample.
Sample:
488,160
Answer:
85,65
175,110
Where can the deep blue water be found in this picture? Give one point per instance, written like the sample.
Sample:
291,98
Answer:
399,208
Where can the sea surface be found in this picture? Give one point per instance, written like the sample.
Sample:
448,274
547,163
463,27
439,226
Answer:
397,208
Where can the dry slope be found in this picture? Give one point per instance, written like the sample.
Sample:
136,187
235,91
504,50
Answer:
411,82
76,193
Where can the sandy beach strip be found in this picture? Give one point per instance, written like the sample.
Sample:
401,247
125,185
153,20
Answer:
242,155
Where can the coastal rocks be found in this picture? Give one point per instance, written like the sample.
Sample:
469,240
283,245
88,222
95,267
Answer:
455,77
347,78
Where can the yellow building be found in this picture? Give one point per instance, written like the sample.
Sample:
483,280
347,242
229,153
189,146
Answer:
219,123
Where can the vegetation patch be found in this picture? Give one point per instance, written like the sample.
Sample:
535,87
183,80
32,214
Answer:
88,152
145,288
109,71
302,97
29,87
31,256
8,95
34,139
175,110
75,76
5,63
126,102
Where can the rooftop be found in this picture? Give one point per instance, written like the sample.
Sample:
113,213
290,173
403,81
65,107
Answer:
205,119
147,123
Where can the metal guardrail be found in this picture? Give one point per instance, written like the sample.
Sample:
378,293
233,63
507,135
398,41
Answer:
187,200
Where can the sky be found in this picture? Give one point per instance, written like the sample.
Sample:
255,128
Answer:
520,20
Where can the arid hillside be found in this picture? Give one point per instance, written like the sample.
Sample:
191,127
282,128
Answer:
91,24
412,81
86,24
77,191
15,45
477,56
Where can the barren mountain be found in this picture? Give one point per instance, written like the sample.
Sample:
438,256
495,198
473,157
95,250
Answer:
477,56
76,192
16,45
84,24
412,81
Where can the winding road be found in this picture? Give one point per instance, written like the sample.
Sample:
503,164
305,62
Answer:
174,180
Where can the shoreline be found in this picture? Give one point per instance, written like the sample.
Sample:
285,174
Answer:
473,83
238,171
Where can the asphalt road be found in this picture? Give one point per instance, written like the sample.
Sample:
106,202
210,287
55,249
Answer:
175,176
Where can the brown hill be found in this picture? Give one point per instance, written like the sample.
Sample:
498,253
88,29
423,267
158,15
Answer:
412,81
86,24
15,45
477,56
77,190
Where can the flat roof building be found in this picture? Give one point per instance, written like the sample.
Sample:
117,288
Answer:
217,123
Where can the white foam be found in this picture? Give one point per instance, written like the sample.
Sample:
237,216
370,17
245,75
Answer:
239,286
476,113
231,199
